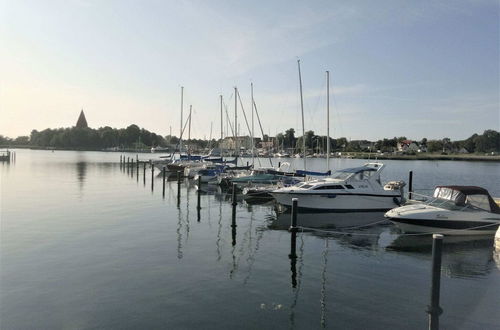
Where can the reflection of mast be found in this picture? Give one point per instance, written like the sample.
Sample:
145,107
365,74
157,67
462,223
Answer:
296,280
219,228
179,235
323,286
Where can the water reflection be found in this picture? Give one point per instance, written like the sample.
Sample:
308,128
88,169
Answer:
463,256
351,220
81,173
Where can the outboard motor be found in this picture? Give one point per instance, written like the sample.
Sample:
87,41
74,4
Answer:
397,185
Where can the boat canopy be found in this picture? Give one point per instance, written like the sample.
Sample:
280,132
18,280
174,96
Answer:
357,169
463,195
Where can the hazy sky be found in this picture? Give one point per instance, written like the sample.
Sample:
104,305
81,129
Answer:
412,68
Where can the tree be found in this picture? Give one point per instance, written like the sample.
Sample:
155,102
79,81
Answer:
290,138
434,146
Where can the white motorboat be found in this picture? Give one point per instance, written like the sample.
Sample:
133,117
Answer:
453,210
347,190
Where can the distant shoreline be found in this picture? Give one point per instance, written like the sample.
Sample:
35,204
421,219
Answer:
348,155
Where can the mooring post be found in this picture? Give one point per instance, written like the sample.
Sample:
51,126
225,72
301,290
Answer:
293,229
120,160
234,202
279,165
137,162
164,172
433,309
152,176
410,185
199,194
144,173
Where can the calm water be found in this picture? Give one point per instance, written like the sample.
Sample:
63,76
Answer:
87,245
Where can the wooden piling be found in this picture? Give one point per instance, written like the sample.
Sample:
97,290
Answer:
293,229
152,176
164,172
234,202
144,173
410,185
199,193
433,309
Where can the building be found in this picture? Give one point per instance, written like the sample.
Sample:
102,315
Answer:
408,145
81,122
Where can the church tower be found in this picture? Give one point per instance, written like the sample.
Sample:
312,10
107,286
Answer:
82,122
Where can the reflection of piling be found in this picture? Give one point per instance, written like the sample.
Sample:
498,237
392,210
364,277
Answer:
433,309
152,176
410,185
120,160
132,167
293,229
233,215
144,173
164,172
137,162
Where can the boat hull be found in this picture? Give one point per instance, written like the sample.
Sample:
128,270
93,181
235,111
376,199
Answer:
446,227
339,202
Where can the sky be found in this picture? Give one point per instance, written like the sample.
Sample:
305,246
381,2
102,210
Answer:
397,68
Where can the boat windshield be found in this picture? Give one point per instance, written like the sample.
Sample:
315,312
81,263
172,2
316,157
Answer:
341,175
461,200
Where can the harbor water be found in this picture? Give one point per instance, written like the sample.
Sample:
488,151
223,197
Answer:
87,244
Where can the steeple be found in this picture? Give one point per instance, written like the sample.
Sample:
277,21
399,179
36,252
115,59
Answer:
82,122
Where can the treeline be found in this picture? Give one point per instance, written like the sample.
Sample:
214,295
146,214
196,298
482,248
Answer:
140,138
88,138
489,141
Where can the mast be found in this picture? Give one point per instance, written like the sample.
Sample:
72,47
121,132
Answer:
236,121
302,110
221,128
189,133
253,142
182,122
327,120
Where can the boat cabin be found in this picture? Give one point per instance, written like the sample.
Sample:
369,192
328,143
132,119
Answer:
463,196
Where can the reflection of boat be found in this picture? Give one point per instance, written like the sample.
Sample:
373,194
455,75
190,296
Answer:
333,220
454,210
347,190
463,256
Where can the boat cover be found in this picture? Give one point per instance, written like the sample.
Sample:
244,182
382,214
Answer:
476,196
357,169
311,173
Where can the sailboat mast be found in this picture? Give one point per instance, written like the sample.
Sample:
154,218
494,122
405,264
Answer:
253,142
182,122
189,131
302,110
327,120
221,121
236,121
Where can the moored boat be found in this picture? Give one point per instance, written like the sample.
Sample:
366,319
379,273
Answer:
453,210
347,190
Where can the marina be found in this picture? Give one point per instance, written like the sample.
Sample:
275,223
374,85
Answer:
110,245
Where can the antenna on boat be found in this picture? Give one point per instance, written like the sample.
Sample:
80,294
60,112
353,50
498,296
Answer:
302,110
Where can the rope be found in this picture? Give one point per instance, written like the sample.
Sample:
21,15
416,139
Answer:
369,234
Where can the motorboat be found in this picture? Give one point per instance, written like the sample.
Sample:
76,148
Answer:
346,190
453,210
